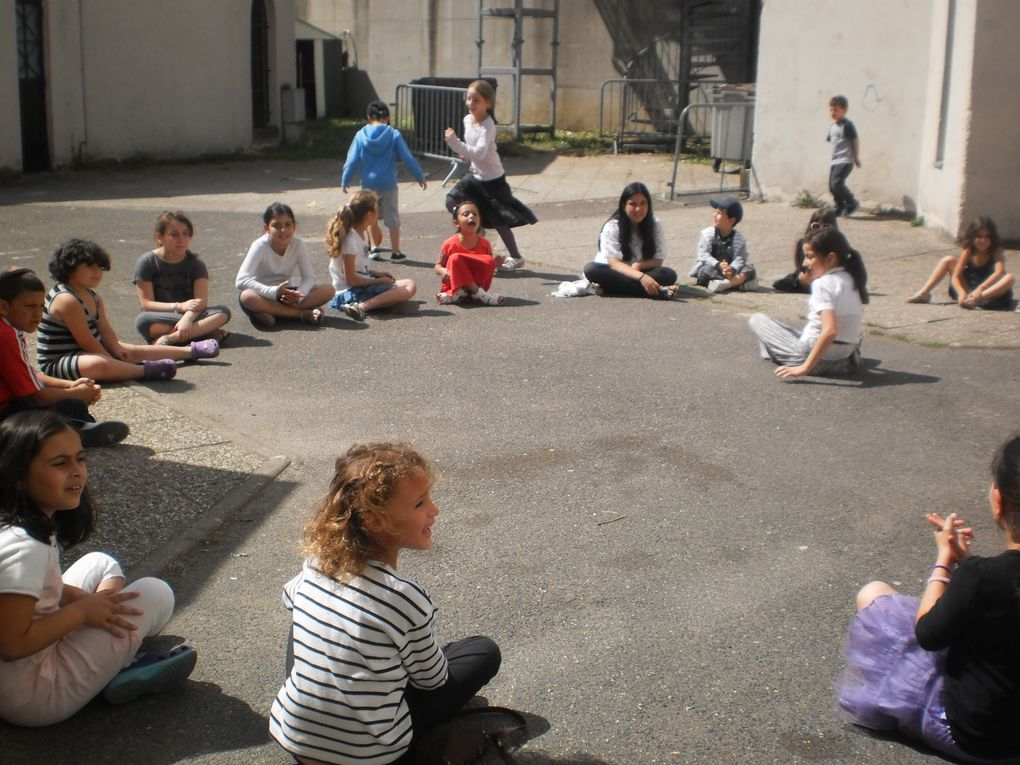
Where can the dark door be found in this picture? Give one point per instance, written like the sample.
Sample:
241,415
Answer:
35,144
259,64
306,74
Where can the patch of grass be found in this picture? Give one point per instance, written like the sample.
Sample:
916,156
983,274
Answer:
565,142
806,198
323,139
213,539
882,332
918,221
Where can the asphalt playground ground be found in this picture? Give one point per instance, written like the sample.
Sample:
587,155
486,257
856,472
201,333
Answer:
663,537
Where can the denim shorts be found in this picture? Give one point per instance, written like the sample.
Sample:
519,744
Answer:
358,294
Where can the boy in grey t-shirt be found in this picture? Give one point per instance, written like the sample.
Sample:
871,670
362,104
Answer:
845,145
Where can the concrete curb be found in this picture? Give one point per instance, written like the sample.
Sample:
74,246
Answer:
229,504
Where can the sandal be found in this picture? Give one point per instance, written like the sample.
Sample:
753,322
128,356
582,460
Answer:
488,298
920,297
312,316
221,336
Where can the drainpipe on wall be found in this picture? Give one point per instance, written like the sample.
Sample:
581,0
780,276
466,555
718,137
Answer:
80,149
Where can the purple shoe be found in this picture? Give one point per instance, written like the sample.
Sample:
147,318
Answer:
205,349
160,369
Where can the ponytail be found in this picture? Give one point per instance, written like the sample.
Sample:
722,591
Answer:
347,217
832,240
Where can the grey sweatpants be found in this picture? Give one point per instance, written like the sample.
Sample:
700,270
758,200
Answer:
781,344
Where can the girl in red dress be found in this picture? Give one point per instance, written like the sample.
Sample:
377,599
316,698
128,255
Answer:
466,265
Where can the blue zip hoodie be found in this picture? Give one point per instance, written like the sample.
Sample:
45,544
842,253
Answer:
374,152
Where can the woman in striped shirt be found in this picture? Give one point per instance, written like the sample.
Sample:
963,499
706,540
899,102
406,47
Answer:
368,678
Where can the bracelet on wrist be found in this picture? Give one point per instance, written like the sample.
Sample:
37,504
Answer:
935,578
942,566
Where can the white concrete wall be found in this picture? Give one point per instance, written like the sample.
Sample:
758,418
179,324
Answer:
398,40
941,183
875,52
993,148
144,77
10,122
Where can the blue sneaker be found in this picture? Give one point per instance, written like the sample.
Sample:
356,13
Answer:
152,673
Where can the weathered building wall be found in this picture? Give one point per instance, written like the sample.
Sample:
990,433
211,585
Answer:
128,78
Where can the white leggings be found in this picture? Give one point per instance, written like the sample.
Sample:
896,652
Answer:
54,683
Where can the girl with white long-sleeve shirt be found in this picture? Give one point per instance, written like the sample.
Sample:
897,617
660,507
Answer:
268,289
486,184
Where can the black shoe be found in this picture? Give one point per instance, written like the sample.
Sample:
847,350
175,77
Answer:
397,255
852,208
102,433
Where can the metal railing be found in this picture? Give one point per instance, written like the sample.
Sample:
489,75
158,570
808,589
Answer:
638,110
732,132
422,113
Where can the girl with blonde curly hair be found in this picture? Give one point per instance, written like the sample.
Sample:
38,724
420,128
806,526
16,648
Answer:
368,677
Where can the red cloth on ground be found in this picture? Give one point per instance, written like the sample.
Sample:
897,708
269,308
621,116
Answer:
464,266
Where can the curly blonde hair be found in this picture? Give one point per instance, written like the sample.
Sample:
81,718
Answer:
359,204
343,533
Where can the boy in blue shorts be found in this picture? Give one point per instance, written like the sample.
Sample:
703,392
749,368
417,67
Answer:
845,156
22,388
374,152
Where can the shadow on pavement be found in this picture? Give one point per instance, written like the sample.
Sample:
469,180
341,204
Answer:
193,720
871,375
148,499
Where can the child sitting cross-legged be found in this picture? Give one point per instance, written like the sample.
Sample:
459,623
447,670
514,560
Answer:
368,678
721,262
466,265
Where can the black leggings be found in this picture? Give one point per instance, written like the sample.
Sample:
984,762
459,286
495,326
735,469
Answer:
613,282
472,661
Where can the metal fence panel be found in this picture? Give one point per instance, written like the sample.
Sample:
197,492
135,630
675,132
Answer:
422,114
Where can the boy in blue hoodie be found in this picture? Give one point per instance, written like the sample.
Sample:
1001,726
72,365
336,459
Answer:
374,152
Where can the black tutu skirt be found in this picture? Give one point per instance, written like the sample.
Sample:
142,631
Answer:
496,203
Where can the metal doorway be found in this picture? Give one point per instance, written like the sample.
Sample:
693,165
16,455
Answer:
35,145
259,64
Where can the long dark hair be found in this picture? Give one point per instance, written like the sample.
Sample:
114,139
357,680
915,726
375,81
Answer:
993,234
1006,475
21,439
646,228
823,216
827,240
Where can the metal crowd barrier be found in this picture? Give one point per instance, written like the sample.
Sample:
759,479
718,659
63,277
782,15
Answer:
732,141
638,111
422,114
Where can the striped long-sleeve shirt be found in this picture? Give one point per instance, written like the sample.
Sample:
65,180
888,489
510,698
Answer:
357,644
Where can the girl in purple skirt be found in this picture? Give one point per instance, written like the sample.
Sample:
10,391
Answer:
945,669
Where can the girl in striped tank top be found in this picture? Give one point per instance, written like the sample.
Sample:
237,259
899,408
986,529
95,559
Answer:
366,676
75,337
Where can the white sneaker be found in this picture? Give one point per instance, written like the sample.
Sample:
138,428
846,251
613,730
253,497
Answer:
375,254
718,285
512,264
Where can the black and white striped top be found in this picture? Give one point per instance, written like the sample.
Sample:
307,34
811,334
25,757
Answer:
356,647
55,340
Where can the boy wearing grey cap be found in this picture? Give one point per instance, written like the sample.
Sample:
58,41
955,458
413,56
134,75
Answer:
374,153
721,261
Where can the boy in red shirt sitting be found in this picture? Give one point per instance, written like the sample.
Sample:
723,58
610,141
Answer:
22,295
